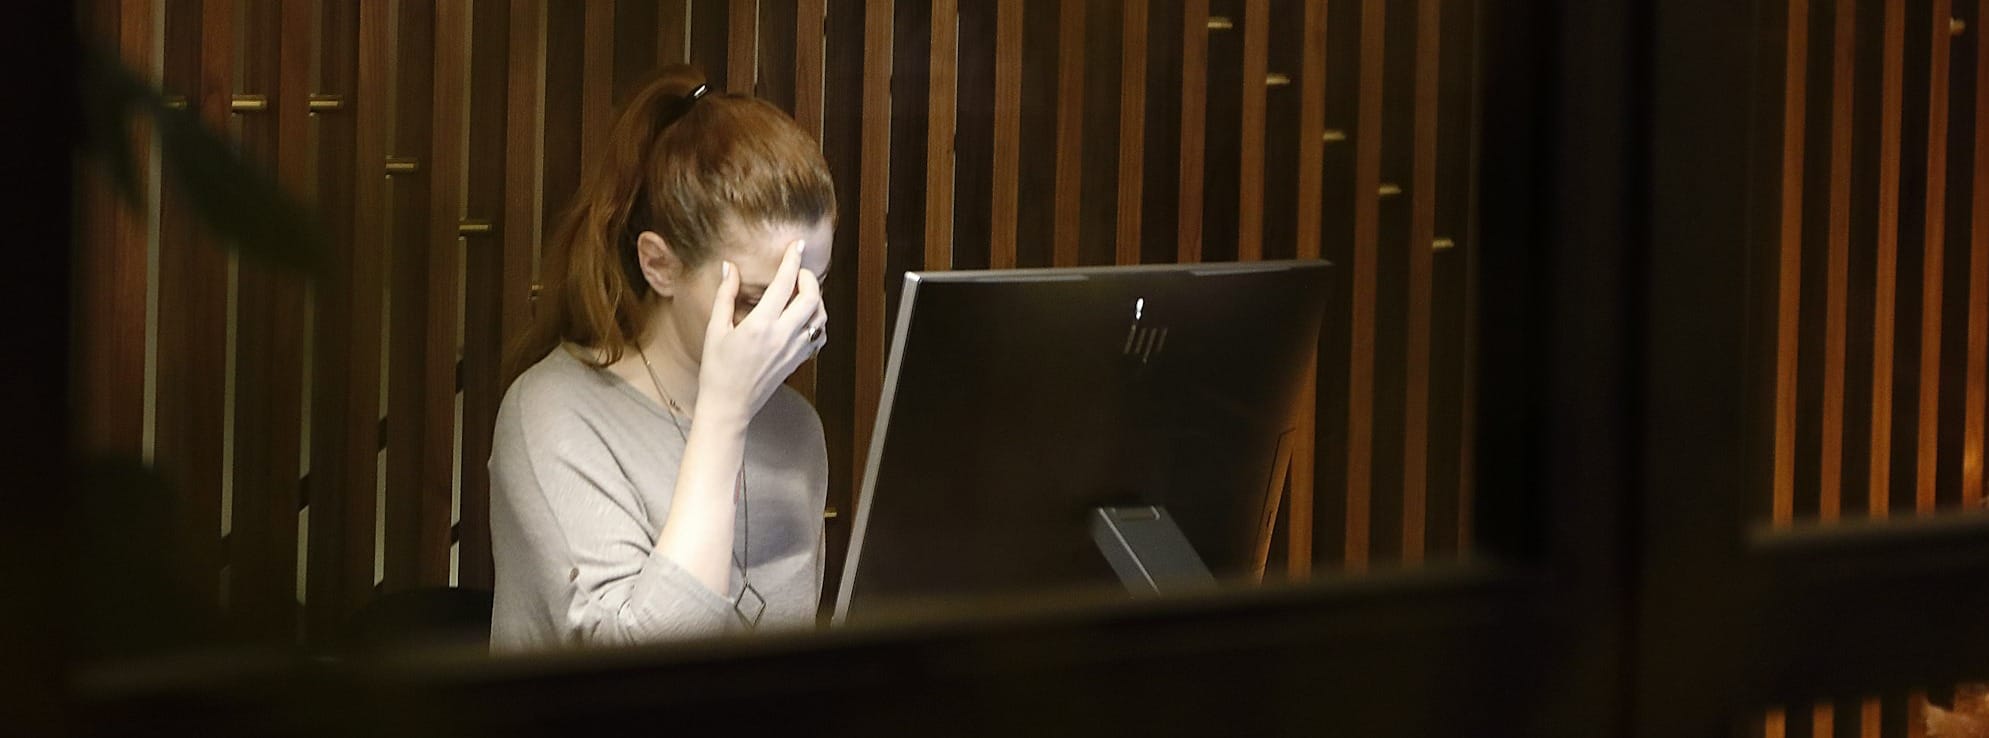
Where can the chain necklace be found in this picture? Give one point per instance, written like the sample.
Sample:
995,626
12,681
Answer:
740,604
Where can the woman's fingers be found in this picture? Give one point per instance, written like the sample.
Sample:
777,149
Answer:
799,316
774,300
721,302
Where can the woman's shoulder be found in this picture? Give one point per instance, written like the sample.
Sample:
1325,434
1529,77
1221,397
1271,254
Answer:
554,385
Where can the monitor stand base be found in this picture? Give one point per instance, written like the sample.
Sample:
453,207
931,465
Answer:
1147,550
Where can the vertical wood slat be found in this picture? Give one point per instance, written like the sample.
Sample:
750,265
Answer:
1789,294
524,126
1878,504
1194,125
1367,201
1837,258
109,389
1422,234
199,56
941,112
596,82
269,376
875,193
809,82
673,23
1978,285
1822,720
742,51
1070,132
414,89
1250,157
1311,162
439,358
808,65
1007,133
1132,130
484,270
347,340
1932,276
1871,718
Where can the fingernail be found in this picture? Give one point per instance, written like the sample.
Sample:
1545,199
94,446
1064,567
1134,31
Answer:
798,246
724,270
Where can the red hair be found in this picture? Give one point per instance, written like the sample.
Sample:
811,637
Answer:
690,170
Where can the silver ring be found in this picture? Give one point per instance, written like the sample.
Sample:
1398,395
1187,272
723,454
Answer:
816,334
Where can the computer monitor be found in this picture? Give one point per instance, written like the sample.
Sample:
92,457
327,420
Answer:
1040,428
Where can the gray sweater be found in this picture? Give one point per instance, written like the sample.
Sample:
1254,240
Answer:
582,468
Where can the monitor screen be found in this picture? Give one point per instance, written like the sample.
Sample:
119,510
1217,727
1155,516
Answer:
1019,403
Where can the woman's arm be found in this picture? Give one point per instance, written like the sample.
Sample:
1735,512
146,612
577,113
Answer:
743,365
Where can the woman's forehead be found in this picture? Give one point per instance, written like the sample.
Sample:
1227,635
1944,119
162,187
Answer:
758,249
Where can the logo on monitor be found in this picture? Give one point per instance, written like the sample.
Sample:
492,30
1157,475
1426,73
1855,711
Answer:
1143,341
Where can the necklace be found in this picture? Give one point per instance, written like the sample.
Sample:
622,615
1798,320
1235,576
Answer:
748,606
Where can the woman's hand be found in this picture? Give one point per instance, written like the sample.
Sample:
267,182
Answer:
744,364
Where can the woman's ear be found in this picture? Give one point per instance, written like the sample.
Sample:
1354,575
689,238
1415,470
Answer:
659,263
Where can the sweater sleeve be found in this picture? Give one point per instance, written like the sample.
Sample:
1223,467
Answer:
584,521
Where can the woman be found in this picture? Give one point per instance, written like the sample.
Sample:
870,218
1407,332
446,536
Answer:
651,478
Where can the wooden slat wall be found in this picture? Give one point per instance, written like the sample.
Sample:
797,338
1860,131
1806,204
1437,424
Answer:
449,138
1882,290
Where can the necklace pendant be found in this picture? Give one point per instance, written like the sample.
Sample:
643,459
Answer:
749,606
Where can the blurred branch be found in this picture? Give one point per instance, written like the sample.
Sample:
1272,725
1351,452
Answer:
240,202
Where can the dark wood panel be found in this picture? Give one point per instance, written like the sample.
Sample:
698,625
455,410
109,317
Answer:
346,346
1958,196
1914,107
1336,203
1194,126
803,55
1450,302
1977,399
1222,138
524,145
484,270
1305,137
1422,235
1160,143
942,108
710,40
632,46
1098,111
109,352
673,32
974,139
408,280
905,210
444,252
193,302
1132,130
1861,259
1788,284
776,50
835,387
1249,190
1392,287
597,80
1837,258
262,542
1933,262
1812,295
1367,136
875,177
742,46
566,35
1885,276
1038,117
1004,216
1068,196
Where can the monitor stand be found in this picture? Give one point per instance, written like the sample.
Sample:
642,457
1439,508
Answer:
1147,550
